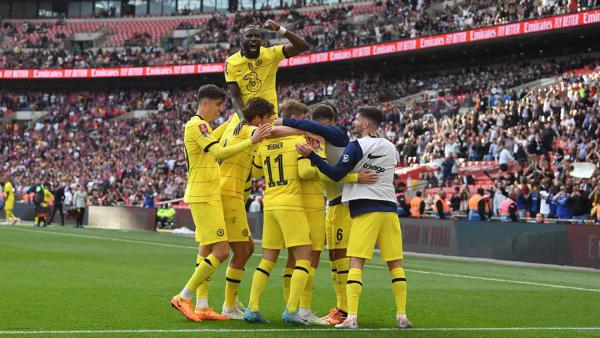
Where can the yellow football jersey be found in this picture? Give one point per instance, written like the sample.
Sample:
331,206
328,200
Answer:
277,160
312,188
236,170
256,77
9,195
203,184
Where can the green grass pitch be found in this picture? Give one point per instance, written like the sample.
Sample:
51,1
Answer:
71,282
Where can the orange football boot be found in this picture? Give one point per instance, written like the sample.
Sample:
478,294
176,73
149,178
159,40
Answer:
185,307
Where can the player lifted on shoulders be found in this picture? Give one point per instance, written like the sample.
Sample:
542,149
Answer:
203,193
252,71
372,207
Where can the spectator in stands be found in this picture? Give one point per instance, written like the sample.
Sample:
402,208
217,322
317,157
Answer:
256,205
522,202
500,195
455,200
440,206
545,197
149,196
564,204
403,206
540,219
504,158
447,167
534,200
417,205
580,204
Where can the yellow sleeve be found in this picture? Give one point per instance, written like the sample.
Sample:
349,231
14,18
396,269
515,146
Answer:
277,52
206,140
306,170
222,153
229,72
218,133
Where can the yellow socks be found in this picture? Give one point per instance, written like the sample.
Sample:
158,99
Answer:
233,278
307,294
353,290
259,281
287,278
297,284
399,289
202,291
203,272
343,265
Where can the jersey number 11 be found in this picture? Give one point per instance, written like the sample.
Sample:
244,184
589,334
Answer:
279,161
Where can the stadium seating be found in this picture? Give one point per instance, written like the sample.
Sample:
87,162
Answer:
324,27
77,121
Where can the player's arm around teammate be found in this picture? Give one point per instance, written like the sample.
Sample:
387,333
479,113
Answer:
203,190
372,208
235,173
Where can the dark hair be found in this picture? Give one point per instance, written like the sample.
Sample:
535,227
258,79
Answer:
323,111
257,106
292,108
480,191
250,27
210,91
372,113
419,194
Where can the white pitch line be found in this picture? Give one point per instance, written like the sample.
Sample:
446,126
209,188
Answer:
490,279
503,280
225,330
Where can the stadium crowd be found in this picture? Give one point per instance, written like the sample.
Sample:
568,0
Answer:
539,132
331,28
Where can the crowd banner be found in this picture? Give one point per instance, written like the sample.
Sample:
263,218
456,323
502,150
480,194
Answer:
553,23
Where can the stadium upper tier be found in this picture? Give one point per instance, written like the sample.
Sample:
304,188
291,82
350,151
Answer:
208,38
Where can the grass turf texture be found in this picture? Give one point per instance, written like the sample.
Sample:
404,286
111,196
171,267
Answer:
71,279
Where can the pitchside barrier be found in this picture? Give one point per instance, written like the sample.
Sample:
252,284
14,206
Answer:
557,243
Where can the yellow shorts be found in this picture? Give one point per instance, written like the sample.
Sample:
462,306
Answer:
337,226
8,214
235,219
381,228
209,221
316,223
285,229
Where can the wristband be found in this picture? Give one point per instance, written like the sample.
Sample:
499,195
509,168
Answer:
282,30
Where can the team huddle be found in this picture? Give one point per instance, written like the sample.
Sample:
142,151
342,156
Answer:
302,161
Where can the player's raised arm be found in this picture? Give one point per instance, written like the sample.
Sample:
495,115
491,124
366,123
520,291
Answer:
297,44
236,99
